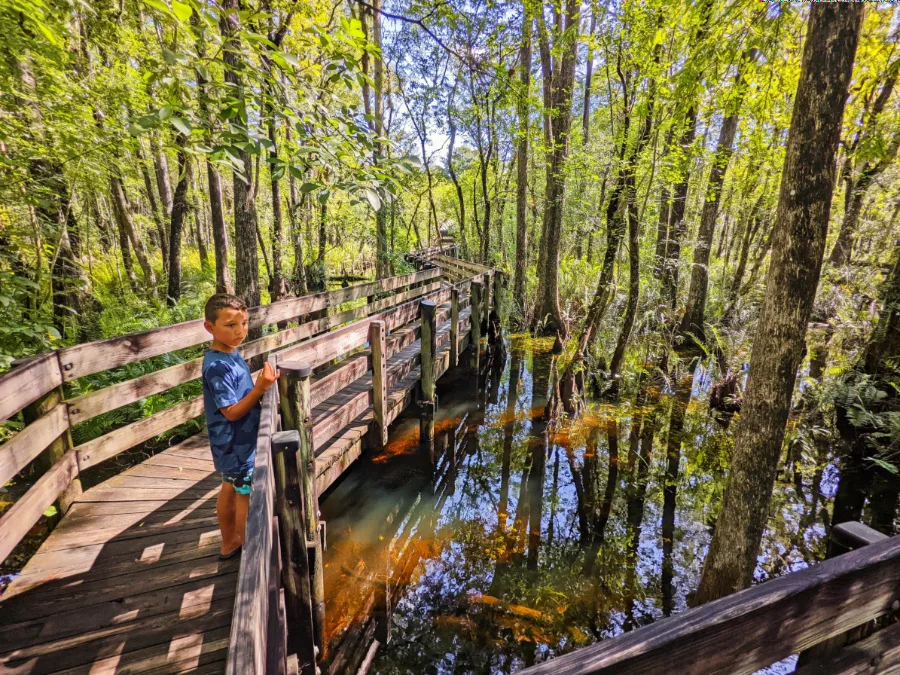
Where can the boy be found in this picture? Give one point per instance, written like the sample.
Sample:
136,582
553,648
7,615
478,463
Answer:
232,414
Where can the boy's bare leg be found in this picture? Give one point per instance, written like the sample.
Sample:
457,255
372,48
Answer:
241,506
226,507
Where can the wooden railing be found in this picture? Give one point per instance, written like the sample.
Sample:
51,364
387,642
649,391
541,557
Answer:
363,349
762,625
36,389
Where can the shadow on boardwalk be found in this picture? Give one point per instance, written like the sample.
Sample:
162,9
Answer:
130,580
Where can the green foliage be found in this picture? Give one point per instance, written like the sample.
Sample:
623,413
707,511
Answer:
22,331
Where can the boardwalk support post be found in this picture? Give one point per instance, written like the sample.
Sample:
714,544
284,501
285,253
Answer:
475,323
486,298
55,451
297,414
292,530
378,345
454,327
427,312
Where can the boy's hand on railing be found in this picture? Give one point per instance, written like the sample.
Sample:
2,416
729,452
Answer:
267,377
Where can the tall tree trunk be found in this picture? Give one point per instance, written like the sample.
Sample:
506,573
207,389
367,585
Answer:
220,232
127,224
843,246
161,168
522,161
677,224
246,278
199,215
560,122
382,260
176,226
154,207
452,171
277,290
634,285
804,205
695,313
299,273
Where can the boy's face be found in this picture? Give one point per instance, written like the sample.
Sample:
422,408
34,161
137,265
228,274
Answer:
230,327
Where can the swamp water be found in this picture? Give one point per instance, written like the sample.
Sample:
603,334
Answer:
510,542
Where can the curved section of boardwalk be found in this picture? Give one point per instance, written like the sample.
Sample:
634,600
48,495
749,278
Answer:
130,580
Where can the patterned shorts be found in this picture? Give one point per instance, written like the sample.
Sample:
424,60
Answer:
239,481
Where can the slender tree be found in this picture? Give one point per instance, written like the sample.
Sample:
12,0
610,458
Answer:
522,110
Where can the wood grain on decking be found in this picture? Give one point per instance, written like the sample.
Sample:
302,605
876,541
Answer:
130,580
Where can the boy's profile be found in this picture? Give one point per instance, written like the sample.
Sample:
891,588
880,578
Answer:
231,400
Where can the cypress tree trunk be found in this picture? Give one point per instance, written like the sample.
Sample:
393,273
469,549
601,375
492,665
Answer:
199,215
176,227
559,118
220,233
804,205
695,312
299,273
161,168
677,225
382,261
127,224
246,278
522,161
154,207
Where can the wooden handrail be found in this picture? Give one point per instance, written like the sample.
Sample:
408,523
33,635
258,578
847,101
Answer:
247,646
756,627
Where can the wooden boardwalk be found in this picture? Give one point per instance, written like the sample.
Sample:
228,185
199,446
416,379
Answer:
130,581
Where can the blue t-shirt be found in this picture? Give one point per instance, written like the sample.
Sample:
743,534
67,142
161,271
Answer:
226,380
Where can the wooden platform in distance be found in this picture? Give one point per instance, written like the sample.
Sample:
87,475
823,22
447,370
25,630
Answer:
130,580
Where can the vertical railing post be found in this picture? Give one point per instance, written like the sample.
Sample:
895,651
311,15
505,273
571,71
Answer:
454,327
292,527
428,349
475,323
486,309
297,414
377,343
59,447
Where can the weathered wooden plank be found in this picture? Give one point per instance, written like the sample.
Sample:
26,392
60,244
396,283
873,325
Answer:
140,632
93,357
475,268
249,624
68,621
18,451
756,627
377,341
878,654
182,652
27,383
111,444
89,563
16,522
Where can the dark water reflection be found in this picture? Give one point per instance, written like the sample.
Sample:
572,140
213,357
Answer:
510,542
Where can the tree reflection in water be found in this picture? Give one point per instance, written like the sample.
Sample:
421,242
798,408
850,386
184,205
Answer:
525,535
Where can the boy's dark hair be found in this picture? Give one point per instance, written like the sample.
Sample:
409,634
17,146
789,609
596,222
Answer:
221,301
